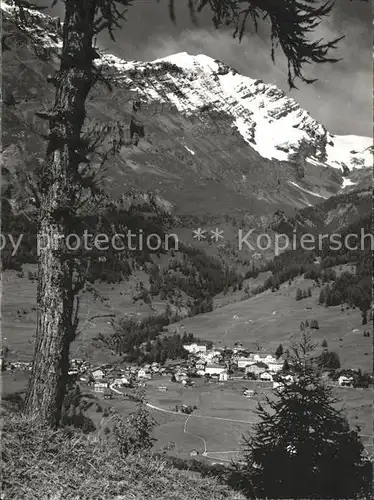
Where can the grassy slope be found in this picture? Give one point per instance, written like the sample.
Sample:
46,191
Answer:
256,323
267,319
39,463
273,318
226,402
20,294
222,416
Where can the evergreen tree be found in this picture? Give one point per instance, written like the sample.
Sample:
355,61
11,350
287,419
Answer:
286,366
329,359
279,351
148,346
322,296
314,324
364,317
303,447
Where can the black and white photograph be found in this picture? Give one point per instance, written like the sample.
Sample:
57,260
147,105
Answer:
187,250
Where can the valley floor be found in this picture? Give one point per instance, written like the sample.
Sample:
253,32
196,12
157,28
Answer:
215,430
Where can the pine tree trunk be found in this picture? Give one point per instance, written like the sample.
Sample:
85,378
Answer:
58,192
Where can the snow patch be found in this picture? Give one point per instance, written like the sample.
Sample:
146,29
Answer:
190,150
348,182
306,190
313,161
189,62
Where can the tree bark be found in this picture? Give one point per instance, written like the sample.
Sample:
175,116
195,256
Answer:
58,206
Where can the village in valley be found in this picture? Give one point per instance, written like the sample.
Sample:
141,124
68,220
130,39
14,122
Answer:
215,364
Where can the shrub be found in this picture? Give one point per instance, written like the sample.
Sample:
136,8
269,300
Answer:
134,433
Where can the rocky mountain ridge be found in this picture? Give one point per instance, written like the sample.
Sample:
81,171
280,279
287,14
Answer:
211,142
270,122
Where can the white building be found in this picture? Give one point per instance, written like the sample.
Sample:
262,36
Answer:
266,376
100,386
121,381
288,379
195,348
248,393
210,356
265,358
98,374
181,376
200,365
278,385
257,368
211,369
244,361
275,366
144,374
345,381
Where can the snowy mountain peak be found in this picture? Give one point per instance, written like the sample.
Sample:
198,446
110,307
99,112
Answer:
190,62
269,121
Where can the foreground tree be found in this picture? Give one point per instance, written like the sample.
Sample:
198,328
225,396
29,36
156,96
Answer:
61,183
303,447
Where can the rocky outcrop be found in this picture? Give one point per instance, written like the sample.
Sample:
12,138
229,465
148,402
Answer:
136,124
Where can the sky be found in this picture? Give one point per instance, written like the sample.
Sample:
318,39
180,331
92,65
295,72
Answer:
341,99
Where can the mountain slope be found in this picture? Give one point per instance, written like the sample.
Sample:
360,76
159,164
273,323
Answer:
272,123
210,140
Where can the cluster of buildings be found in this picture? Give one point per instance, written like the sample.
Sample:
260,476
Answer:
104,377
16,365
217,363
224,363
